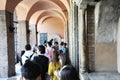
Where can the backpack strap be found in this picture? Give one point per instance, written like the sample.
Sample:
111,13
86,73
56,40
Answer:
30,56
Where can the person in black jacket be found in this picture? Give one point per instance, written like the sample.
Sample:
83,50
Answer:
42,60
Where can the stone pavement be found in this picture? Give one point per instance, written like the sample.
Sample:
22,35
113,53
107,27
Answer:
18,73
85,76
101,76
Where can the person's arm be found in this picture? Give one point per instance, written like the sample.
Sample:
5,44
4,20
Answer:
56,73
50,70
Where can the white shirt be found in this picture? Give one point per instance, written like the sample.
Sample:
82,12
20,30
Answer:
25,55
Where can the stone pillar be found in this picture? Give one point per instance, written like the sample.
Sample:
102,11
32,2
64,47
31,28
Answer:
21,35
32,28
7,52
75,37
71,35
65,32
118,47
81,23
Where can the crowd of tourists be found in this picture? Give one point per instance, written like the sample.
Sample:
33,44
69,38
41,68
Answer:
47,60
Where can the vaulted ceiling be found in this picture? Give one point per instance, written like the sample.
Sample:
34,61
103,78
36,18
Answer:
38,10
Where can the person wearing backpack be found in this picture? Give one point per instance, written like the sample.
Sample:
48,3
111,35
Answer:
28,53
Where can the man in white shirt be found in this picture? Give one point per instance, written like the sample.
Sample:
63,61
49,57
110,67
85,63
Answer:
27,53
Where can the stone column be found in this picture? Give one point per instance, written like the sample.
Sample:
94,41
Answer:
118,47
7,52
76,37
65,32
71,35
81,23
21,35
32,28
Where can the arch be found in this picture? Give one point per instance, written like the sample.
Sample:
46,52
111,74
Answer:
24,6
53,25
48,14
43,5
66,4
11,4
62,4
2,4
39,14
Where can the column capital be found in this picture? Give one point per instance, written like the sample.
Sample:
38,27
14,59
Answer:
82,6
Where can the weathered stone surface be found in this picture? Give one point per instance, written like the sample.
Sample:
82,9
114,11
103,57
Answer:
100,76
109,15
7,64
21,36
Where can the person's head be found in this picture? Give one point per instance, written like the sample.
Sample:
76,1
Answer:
61,43
22,52
55,56
51,40
28,47
56,43
69,73
65,44
64,60
49,44
31,71
41,49
45,41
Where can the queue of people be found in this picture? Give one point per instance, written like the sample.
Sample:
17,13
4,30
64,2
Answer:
47,60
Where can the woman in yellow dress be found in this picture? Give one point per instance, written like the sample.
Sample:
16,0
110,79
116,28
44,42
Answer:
54,65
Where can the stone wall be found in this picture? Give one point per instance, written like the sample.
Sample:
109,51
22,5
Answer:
10,44
32,28
3,49
106,35
109,15
106,57
7,60
21,36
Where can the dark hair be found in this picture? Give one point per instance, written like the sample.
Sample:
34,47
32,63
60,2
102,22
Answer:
55,56
65,59
22,52
30,70
45,41
61,43
41,49
51,40
28,47
49,43
69,73
65,44
55,42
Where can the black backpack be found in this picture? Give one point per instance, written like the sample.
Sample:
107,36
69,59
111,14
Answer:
28,58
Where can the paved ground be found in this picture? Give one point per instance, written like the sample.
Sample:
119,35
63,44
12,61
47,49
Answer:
86,76
18,74
101,76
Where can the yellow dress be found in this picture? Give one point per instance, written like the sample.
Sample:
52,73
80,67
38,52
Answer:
53,67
